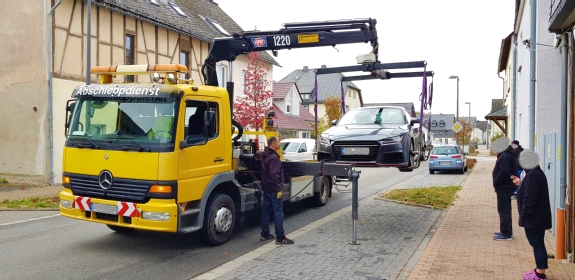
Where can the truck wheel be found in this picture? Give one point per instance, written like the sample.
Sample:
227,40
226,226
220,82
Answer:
219,219
120,229
320,198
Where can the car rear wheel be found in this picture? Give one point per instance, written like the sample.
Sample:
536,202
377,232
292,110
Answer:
431,171
461,171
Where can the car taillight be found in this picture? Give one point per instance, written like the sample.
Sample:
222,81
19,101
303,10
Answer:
456,156
433,157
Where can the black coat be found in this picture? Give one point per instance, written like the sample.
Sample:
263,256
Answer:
505,166
272,171
517,152
533,201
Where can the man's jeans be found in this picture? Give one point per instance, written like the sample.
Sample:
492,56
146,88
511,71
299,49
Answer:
272,203
504,209
536,239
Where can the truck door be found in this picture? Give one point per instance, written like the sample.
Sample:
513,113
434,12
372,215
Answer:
204,155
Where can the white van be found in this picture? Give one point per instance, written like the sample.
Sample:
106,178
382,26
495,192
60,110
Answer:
295,149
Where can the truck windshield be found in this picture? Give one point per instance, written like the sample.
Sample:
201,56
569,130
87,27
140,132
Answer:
385,116
120,123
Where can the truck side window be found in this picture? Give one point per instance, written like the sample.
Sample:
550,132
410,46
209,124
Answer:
194,121
303,147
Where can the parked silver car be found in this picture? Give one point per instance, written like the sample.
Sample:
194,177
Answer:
447,157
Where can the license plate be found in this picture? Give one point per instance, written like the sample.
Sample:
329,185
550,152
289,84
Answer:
307,38
355,151
105,208
445,163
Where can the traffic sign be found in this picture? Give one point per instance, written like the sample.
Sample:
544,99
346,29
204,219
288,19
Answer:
457,127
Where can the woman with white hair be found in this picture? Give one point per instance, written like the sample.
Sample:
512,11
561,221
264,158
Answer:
534,210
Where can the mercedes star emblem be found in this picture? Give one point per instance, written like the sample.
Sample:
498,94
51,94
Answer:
105,179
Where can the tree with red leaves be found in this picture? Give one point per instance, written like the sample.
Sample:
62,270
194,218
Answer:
251,108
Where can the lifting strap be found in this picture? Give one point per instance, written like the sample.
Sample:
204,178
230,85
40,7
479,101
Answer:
342,99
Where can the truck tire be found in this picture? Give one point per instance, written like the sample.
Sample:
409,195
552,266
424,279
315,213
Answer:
120,229
219,219
320,198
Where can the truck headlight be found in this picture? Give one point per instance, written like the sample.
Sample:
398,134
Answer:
155,216
66,204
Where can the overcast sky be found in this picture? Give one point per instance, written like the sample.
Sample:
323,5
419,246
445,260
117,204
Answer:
455,37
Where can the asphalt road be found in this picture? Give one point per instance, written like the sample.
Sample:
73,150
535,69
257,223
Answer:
62,248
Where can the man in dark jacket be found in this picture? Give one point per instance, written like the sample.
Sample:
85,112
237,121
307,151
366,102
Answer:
272,183
534,210
505,166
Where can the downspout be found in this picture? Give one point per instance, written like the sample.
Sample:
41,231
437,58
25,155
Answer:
532,41
514,90
560,211
50,95
564,134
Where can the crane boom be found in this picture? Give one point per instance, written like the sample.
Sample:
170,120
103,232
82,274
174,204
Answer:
291,36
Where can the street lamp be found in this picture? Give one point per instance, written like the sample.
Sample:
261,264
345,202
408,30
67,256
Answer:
468,122
457,115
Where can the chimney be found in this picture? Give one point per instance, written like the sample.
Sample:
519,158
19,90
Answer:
323,67
305,68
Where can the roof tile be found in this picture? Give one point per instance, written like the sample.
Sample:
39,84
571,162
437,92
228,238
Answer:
290,122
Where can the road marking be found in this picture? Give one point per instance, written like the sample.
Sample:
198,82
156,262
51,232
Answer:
29,220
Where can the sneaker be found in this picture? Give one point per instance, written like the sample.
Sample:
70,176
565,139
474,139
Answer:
270,237
531,275
285,241
501,237
498,233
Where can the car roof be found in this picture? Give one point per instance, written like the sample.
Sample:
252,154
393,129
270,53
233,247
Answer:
377,107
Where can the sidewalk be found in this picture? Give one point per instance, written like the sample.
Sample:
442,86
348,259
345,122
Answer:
451,244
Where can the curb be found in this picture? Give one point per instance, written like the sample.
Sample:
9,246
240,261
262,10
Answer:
410,204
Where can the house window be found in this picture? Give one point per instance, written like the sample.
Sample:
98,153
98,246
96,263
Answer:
347,108
288,103
217,27
305,134
441,123
177,9
305,95
184,59
433,123
129,55
441,133
349,93
354,94
221,70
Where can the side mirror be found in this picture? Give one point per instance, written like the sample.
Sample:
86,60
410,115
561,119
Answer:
183,144
334,123
70,105
302,150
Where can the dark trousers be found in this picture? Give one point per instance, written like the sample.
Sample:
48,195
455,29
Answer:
504,209
536,239
273,204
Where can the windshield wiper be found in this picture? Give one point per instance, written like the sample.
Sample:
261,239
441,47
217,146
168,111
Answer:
92,144
142,147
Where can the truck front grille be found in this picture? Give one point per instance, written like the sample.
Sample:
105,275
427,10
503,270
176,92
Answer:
372,145
122,189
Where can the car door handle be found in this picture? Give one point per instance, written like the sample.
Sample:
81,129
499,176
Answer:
218,159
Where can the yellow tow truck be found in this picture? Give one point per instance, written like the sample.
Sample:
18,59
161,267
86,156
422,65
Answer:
166,155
